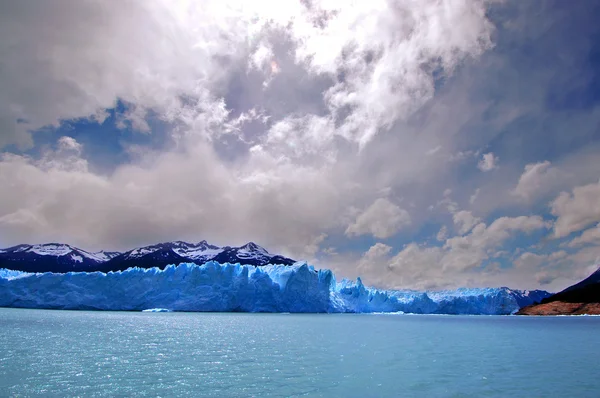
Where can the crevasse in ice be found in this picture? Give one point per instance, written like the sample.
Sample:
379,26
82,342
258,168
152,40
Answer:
244,288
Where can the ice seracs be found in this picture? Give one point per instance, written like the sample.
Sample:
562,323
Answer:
234,287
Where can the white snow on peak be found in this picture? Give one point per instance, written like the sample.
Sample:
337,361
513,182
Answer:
202,251
92,256
50,249
141,251
102,255
252,250
58,250
197,253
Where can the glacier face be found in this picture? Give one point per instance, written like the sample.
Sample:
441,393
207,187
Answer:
243,288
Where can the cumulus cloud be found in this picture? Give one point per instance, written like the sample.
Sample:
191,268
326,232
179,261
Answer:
589,236
560,265
373,260
537,179
442,235
447,202
576,210
453,263
470,250
135,118
474,197
381,219
66,156
534,260
464,221
488,162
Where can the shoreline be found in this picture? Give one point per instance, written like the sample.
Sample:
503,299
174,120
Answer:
560,308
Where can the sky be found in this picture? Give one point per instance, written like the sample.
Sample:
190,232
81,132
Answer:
417,144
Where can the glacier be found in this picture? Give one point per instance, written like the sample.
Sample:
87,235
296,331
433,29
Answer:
243,288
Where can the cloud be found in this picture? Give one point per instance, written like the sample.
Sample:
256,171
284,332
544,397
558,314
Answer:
381,219
135,118
81,57
447,202
69,144
311,249
558,268
576,210
171,195
589,236
468,251
456,263
298,137
474,197
373,257
536,180
488,162
416,266
464,221
533,260
442,235
386,53
433,151
66,156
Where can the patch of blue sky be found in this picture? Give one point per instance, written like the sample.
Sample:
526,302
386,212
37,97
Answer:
105,145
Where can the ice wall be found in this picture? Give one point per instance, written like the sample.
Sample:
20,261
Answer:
242,288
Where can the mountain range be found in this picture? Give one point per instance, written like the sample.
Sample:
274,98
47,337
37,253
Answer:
61,258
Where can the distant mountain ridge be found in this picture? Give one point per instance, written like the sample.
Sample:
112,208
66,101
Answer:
61,258
578,299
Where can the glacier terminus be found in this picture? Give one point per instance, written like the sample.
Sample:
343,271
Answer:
225,287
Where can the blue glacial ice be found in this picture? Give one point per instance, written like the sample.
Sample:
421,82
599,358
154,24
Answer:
242,288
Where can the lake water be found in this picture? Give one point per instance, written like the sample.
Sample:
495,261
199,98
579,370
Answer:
71,353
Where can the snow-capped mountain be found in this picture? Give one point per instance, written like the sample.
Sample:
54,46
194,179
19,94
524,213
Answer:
163,254
251,254
54,257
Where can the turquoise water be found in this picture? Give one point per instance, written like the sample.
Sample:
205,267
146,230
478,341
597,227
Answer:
94,354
